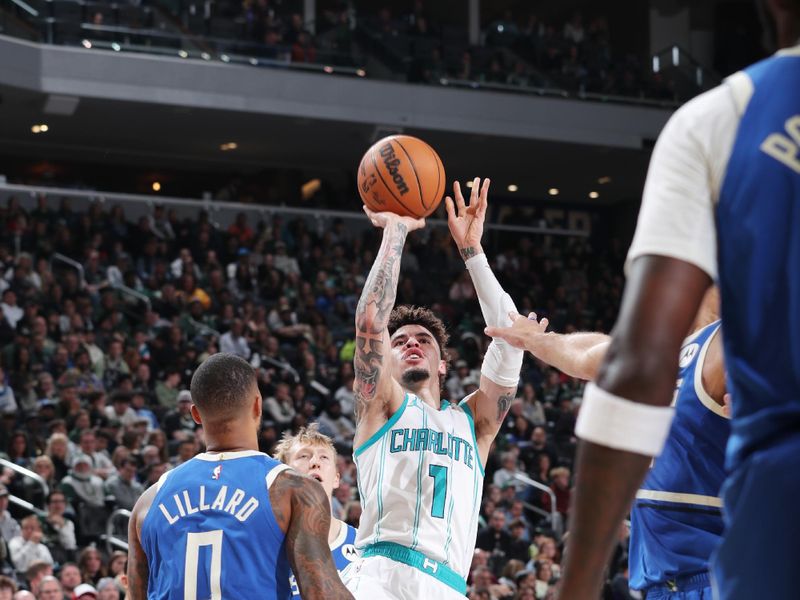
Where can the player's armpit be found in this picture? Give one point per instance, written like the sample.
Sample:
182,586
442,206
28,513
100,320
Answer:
489,406
714,370
138,567
301,503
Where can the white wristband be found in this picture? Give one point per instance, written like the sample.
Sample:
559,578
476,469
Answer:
495,302
622,424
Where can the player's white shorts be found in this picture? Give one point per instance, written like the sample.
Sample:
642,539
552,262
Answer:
378,577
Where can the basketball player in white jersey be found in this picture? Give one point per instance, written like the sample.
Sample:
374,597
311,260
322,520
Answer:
420,460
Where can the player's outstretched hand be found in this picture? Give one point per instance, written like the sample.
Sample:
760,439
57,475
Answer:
382,219
466,222
525,333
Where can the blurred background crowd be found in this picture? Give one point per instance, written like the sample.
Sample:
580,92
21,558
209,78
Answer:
97,360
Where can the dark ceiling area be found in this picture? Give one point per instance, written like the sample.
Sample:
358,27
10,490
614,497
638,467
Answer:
159,138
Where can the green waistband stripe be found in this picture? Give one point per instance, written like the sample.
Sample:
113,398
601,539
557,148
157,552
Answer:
419,561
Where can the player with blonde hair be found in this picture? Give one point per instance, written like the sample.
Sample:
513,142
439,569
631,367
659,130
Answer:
312,453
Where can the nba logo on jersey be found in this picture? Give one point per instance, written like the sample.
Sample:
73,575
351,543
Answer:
216,472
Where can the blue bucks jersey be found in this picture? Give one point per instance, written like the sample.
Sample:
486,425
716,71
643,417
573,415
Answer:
343,550
758,237
676,521
211,533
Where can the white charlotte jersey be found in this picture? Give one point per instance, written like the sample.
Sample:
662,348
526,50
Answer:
420,478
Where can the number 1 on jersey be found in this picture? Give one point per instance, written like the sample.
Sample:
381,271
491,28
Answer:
439,474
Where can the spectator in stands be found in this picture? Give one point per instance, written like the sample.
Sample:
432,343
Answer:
59,453
84,491
166,390
8,588
234,340
561,489
9,528
50,589
35,574
59,531
91,566
344,395
280,407
100,460
518,547
121,410
85,591
8,403
495,539
179,424
70,578
506,474
123,486
336,425
27,547
107,589
12,312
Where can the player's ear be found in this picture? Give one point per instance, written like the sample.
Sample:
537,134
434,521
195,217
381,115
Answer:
257,407
442,368
196,415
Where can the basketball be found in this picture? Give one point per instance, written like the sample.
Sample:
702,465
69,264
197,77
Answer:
401,174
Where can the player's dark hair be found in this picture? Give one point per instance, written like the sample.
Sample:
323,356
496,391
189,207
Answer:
222,385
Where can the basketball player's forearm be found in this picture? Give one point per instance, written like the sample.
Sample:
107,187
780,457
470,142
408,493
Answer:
307,542
138,569
605,484
380,289
577,354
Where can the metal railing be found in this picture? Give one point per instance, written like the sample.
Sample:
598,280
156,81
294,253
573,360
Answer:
124,289
556,522
28,474
224,213
58,257
112,540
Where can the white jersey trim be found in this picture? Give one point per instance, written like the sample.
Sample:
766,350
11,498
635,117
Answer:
680,498
218,456
273,475
341,537
705,398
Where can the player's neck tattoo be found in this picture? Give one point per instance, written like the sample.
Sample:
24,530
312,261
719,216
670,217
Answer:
468,252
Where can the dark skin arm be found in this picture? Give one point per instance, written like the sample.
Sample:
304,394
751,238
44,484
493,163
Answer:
303,512
138,567
659,305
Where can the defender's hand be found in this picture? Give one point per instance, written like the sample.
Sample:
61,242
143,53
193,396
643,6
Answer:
524,333
382,219
466,222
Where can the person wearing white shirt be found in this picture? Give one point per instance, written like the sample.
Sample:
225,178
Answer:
9,528
8,403
27,547
233,342
11,311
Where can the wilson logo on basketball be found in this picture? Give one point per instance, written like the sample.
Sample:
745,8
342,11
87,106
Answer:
392,165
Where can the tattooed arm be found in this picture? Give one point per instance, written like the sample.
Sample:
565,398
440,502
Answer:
377,394
502,363
303,511
138,567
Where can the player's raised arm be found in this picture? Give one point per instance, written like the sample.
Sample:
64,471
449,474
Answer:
576,354
375,388
303,510
502,362
138,568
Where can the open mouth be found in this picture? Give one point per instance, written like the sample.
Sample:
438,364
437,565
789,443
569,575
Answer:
315,476
412,355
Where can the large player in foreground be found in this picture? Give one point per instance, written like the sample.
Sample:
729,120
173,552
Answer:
228,522
722,201
420,460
